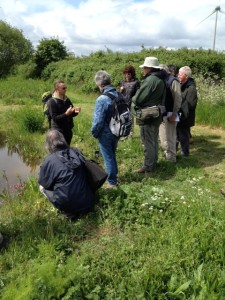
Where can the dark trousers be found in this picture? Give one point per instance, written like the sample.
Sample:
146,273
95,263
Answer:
183,137
68,136
50,196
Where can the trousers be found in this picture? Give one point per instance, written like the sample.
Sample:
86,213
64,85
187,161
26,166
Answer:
168,138
149,136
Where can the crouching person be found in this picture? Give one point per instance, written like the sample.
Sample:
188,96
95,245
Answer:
63,178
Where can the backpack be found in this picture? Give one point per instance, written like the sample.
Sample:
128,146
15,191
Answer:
44,98
121,120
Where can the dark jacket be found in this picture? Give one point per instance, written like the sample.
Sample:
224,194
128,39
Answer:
130,89
189,94
57,109
63,173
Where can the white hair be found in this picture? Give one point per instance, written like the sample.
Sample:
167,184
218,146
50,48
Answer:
102,78
186,70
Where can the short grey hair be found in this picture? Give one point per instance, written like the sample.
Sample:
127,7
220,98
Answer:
55,141
186,70
102,78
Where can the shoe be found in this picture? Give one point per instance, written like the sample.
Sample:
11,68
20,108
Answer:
191,141
143,171
170,157
222,192
130,135
109,186
140,171
184,154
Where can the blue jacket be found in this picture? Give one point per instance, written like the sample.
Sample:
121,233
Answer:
102,113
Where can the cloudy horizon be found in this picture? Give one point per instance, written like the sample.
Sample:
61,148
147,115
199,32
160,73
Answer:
119,25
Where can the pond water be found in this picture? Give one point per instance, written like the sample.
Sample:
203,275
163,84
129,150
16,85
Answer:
13,170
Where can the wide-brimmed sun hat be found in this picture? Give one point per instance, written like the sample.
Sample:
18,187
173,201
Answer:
151,62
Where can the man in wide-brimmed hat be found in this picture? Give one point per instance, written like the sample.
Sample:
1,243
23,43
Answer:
151,94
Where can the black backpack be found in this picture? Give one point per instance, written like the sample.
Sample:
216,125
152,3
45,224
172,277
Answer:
121,120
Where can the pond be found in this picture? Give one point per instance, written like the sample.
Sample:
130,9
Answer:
13,170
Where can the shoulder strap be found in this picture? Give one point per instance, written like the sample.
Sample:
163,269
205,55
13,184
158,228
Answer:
111,96
52,98
170,80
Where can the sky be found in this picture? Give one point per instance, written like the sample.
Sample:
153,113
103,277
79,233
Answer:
87,26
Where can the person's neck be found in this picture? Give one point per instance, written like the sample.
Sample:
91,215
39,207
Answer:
59,96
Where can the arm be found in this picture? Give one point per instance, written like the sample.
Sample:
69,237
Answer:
176,93
74,110
142,95
192,97
46,176
135,87
59,112
100,115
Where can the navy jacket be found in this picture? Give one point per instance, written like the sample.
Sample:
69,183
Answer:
63,172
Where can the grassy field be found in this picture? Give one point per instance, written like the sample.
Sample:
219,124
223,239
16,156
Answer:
151,238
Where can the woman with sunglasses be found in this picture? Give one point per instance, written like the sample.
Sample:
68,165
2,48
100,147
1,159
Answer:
62,111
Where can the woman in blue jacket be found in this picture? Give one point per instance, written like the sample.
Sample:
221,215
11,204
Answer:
100,126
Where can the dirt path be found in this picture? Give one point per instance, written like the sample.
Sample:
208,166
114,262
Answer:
209,148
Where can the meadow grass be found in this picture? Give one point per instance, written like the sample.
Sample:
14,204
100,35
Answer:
159,237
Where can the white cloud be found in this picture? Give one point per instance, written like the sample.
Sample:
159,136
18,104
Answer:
120,25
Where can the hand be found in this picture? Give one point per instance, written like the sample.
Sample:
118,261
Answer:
77,109
172,118
69,111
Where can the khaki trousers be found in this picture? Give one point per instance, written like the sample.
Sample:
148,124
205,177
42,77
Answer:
168,138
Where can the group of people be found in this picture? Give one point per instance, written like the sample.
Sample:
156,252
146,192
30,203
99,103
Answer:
62,176
175,99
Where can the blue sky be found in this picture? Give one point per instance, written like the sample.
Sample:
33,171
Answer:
120,25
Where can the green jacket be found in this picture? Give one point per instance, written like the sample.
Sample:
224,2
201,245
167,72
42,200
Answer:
152,92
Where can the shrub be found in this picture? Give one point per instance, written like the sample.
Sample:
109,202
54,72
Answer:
30,119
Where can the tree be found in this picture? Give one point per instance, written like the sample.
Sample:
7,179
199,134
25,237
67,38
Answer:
49,50
15,49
